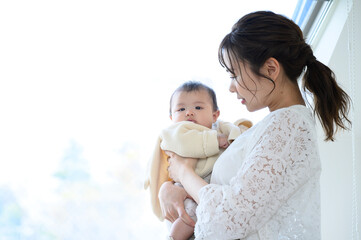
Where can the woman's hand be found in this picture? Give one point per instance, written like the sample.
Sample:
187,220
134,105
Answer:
182,170
171,200
180,166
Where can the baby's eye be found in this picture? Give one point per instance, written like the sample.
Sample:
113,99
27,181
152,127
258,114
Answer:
181,109
199,107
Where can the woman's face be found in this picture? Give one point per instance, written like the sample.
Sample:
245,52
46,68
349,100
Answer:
253,90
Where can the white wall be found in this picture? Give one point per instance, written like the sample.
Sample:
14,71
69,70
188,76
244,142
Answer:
338,45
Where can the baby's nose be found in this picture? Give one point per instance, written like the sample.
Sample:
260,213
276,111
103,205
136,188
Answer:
189,113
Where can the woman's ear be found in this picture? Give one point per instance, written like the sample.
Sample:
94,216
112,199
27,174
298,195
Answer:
271,68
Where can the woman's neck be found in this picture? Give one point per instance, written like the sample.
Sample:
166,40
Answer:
286,94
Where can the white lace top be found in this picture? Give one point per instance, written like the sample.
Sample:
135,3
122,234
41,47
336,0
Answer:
266,184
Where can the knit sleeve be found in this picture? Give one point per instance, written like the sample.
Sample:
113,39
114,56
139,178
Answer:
188,139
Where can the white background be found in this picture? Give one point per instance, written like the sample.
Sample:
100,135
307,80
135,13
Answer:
98,75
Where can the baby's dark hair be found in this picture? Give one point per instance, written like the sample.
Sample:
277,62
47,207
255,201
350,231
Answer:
192,86
261,35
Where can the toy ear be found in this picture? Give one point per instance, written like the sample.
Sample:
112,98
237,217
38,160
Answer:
243,122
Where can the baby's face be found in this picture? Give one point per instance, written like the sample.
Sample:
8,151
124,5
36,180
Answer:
195,106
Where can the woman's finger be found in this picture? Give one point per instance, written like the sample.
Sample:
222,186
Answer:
173,215
185,217
167,218
170,217
166,215
169,214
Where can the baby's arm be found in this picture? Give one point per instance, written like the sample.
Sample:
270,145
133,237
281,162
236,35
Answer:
190,139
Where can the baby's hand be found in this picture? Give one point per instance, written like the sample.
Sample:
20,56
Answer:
222,140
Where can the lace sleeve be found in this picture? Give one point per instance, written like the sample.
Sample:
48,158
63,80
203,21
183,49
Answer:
276,167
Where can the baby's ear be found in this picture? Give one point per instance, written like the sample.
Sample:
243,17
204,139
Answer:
216,115
170,116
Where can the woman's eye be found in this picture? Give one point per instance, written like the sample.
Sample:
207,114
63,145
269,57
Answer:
233,77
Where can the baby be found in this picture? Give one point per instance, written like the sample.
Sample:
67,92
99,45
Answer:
196,133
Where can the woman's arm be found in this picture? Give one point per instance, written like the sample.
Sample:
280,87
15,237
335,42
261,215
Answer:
182,170
172,197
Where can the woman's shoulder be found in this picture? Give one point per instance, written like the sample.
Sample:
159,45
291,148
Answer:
289,126
292,114
289,119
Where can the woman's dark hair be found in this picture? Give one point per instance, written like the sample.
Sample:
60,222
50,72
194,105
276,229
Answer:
192,86
261,35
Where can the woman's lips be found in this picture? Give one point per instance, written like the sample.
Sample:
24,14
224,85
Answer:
243,101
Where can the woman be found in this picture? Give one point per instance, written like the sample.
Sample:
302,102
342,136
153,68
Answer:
266,184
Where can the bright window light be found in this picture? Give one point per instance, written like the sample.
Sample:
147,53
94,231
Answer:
309,15
84,92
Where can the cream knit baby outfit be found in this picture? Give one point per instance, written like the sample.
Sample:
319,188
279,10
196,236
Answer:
188,139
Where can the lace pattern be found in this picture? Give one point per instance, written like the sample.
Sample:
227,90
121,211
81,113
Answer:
275,192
